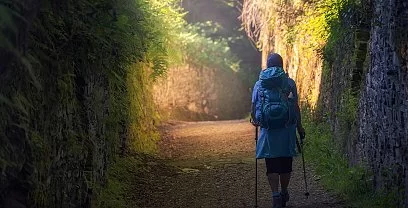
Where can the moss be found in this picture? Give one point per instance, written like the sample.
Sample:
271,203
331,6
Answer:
348,108
115,193
142,113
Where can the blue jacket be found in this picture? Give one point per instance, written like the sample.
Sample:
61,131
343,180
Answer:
274,143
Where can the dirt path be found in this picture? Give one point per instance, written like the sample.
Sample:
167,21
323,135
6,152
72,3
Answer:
212,165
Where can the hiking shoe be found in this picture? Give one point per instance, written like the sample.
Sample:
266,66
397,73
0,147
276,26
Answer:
277,201
285,198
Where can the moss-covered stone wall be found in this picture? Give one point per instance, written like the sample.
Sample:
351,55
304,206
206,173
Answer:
349,61
75,77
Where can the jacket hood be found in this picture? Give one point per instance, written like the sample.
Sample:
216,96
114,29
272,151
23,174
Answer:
271,72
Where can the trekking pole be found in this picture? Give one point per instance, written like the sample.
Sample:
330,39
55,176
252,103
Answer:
304,175
300,148
256,169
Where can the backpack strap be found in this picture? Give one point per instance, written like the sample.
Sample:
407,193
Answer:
261,92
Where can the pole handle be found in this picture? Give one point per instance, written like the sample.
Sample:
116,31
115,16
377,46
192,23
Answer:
299,147
256,133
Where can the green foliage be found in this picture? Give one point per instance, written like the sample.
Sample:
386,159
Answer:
351,183
167,23
142,115
348,21
203,50
319,20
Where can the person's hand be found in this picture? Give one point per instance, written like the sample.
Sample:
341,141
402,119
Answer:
302,133
256,124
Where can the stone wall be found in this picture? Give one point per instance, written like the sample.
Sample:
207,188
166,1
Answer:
62,113
49,164
358,83
196,93
383,131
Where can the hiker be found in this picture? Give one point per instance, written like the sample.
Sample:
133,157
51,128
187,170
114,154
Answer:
275,109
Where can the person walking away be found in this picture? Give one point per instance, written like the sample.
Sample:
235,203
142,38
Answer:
275,109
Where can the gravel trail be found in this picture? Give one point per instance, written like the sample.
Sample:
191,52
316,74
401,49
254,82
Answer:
211,164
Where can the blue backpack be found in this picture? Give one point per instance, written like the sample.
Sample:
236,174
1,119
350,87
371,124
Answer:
274,109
